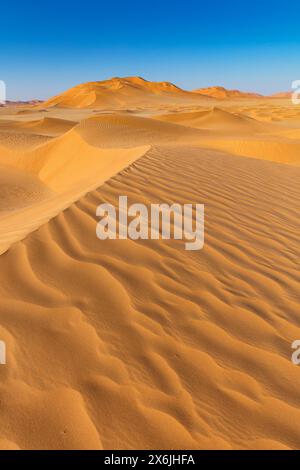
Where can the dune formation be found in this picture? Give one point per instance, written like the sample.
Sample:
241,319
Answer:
140,344
222,93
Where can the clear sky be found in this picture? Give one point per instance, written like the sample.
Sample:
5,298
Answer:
47,47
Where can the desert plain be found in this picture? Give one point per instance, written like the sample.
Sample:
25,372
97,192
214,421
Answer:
140,344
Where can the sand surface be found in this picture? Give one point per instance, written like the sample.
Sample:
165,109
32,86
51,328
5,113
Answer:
141,344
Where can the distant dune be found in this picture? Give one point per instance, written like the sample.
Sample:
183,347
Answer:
222,93
118,92
283,94
121,93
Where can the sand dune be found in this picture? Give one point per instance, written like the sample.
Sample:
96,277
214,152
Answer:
49,126
65,171
118,92
63,161
282,94
220,92
25,135
127,131
142,344
21,141
207,355
218,120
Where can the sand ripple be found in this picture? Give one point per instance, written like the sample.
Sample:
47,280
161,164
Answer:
141,344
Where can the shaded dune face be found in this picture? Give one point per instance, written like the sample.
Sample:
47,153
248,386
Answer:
141,344
129,339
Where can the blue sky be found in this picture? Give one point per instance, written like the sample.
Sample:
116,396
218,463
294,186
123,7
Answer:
47,47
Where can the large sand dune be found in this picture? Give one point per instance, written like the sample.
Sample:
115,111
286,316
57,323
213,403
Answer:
141,344
118,92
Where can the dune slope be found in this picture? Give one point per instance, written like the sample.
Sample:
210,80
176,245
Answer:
141,344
